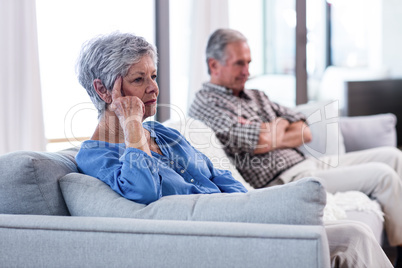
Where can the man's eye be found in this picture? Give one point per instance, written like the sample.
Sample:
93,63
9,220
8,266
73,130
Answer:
153,77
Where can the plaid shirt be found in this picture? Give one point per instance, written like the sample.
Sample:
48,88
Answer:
236,122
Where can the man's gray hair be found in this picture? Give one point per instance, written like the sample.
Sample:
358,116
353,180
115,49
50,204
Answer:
107,57
218,41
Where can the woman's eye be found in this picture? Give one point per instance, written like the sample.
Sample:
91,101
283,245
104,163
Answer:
138,80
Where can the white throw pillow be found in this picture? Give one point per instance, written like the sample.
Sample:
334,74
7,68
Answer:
203,139
323,121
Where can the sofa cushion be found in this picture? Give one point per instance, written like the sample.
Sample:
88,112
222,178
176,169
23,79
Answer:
300,202
28,182
370,131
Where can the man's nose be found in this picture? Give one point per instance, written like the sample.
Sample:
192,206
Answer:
246,70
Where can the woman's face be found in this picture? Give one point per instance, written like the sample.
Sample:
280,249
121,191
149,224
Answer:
140,81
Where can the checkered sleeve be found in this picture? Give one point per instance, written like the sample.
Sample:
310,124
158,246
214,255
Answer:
288,113
283,111
221,116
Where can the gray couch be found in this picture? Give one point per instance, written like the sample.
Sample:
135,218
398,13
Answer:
52,216
36,229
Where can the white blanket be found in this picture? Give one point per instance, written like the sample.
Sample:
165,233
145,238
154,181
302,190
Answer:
339,203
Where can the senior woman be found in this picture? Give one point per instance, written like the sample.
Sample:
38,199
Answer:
142,161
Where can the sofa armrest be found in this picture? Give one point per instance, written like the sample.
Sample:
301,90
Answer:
365,132
57,241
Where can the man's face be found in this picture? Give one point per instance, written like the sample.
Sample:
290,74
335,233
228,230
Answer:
234,72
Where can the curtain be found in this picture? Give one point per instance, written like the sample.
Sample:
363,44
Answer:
21,118
207,16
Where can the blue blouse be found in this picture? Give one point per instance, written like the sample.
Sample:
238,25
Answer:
138,177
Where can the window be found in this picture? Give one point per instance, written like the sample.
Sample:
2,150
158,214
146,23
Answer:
248,19
344,42
317,52
355,32
63,26
270,27
180,36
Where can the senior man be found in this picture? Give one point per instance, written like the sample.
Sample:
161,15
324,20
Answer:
262,137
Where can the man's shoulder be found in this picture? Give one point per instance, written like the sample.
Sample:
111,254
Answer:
254,91
206,91
256,94
211,88
210,101
210,93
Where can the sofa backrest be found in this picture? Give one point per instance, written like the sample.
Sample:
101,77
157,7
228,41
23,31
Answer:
29,182
369,131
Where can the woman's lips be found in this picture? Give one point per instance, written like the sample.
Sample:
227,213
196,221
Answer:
150,102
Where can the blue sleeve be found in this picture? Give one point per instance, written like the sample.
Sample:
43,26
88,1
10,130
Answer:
224,179
134,175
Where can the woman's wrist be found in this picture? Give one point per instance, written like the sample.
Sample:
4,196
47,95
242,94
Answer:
134,136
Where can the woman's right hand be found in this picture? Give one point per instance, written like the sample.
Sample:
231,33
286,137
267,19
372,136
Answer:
126,107
130,112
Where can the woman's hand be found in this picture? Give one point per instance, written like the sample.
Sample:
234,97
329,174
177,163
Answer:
130,112
126,107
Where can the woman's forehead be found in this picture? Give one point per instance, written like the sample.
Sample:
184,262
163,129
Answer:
146,64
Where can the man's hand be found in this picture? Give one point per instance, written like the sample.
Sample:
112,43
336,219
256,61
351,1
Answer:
281,134
271,135
279,127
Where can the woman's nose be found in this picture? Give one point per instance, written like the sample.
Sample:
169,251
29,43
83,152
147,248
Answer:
152,87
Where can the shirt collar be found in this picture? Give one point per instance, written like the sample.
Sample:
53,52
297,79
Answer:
148,125
243,94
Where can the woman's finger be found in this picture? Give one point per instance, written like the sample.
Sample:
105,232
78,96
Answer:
116,92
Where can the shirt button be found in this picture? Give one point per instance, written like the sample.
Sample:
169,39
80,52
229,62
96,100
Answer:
171,162
192,180
182,171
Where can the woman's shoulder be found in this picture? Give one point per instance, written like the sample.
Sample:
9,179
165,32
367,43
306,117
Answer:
164,133
88,144
96,144
91,148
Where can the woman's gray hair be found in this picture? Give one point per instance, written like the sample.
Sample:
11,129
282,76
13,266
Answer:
218,41
107,57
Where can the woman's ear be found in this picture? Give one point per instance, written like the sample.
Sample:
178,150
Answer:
101,90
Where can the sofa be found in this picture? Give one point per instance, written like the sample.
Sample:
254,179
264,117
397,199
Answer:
53,216
337,135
